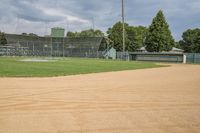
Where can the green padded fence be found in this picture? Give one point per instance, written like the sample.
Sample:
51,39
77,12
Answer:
193,57
157,57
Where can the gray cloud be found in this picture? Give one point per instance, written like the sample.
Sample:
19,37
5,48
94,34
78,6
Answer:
35,15
26,10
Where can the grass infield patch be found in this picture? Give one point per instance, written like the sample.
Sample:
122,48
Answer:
16,67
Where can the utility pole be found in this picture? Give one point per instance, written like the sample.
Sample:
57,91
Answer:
123,28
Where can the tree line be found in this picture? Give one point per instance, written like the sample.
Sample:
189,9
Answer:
155,38
86,33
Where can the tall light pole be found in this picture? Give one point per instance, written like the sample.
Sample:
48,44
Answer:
123,27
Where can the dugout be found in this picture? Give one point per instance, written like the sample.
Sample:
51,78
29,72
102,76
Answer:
158,57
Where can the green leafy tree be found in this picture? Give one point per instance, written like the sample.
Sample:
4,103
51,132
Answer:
115,34
137,36
29,34
3,40
24,34
191,41
86,33
131,42
159,37
71,34
141,33
177,45
33,35
134,36
98,33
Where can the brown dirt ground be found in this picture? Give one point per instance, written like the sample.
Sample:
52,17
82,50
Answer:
159,100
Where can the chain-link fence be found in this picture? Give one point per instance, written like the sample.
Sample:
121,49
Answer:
193,57
20,45
26,51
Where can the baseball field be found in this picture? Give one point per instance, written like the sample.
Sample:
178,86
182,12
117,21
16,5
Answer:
117,100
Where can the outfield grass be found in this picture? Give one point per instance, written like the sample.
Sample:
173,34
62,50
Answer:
14,67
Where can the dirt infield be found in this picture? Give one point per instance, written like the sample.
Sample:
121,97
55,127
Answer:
159,100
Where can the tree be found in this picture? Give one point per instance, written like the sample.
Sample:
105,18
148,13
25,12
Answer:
134,36
3,40
86,33
24,34
33,35
137,36
177,45
191,41
115,34
98,33
30,34
159,37
71,34
131,42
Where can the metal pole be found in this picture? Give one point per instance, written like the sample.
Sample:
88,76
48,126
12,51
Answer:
51,47
123,27
33,49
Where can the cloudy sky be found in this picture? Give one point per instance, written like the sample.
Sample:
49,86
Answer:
38,16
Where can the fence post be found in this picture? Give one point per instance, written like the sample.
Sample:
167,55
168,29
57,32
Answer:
7,51
194,58
33,49
184,59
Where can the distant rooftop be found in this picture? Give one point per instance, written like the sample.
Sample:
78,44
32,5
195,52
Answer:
60,28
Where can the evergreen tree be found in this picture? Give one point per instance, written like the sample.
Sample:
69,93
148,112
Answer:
3,40
159,37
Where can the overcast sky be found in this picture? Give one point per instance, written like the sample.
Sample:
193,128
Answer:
38,16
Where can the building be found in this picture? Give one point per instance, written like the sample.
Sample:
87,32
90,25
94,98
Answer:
110,53
57,32
175,55
174,50
142,49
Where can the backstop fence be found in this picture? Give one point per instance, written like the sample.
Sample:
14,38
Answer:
20,45
48,52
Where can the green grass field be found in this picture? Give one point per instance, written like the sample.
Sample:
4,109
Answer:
15,67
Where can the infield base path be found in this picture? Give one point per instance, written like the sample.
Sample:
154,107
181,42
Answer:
159,100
